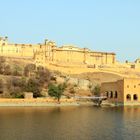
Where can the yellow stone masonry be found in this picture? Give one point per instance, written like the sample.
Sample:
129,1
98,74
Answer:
124,92
49,53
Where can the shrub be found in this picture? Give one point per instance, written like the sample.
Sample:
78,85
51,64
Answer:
16,94
44,76
96,90
33,86
7,70
17,70
29,68
56,91
16,86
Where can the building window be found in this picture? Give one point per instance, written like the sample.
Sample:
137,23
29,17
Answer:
134,86
135,97
111,94
107,95
128,97
116,94
127,86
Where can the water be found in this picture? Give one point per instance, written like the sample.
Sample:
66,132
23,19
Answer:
69,123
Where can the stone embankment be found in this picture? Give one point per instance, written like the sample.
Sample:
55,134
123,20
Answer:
37,102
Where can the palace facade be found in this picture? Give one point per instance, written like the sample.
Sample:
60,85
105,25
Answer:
122,92
48,52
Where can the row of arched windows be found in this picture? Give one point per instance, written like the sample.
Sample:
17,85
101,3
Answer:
129,97
135,97
111,94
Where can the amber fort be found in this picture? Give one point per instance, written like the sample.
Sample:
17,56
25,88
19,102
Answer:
121,84
49,52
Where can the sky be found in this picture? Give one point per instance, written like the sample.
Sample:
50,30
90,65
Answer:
100,25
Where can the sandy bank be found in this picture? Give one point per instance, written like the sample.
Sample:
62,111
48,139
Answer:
37,102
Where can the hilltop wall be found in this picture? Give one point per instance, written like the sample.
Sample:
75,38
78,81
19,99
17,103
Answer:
48,52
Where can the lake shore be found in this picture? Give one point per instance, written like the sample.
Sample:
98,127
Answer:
47,102
9,102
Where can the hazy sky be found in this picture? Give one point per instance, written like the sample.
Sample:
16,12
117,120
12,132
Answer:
102,25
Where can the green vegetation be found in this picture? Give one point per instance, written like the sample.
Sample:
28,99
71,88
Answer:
29,69
56,90
33,86
15,87
96,90
17,70
19,78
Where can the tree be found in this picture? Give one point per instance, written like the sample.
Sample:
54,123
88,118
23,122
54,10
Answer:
16,87
56,91
16,93
28,69
7,70
34,87
18,82
17,70
96,90
43,75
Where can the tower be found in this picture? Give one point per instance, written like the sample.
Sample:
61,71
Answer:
3,41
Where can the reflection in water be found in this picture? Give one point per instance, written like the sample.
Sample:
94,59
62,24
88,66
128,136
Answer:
69,123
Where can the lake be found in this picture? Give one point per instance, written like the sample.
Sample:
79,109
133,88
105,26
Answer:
70,123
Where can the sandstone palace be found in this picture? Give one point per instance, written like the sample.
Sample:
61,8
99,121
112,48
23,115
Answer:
95,67
48,52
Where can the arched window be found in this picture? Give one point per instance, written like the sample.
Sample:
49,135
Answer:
128,97
111,94
116,94
107,94
135,97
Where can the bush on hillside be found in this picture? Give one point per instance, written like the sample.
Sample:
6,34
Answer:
17,71
56,91
29,68
44,76
96,90
33,86
7,70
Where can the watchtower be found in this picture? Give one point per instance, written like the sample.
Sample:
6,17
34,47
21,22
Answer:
3,41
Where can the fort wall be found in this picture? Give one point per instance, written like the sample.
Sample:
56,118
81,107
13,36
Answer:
48,52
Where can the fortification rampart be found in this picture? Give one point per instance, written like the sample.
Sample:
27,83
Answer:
48,52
